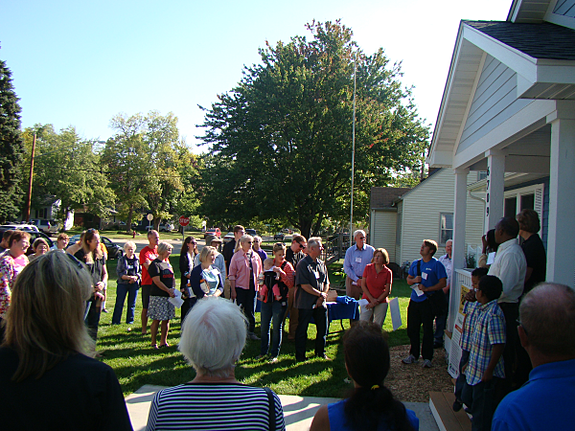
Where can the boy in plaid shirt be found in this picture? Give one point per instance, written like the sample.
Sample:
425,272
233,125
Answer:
485,367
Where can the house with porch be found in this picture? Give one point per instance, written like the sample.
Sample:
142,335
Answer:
508,108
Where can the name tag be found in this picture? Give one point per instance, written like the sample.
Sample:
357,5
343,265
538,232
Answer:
358,260
129,266
316,273
424,275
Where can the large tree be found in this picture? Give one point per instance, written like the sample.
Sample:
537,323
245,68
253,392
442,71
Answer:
142,162
69,168
11,147
281,141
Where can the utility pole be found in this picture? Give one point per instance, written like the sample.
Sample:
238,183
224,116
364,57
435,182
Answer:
29,200
352,154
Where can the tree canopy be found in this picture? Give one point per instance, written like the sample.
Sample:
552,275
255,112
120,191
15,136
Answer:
281,140
68,167
11,147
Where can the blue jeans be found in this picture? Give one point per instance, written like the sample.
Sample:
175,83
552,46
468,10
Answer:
276,311
132,291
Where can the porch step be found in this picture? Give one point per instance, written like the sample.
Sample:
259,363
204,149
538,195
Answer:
441,404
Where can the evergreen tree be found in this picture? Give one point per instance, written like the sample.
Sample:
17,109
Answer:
11,147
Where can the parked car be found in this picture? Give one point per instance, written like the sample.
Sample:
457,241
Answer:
33,235
215,231
166,227
229,236
251,232
279,236
19,226
46,226
114,250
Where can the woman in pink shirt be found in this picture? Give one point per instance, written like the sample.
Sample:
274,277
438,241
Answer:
245,267
11,263
376,286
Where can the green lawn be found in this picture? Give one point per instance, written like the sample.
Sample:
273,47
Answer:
137,364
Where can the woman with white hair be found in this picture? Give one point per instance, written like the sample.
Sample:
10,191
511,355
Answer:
213,337
160,309
245,267
47,381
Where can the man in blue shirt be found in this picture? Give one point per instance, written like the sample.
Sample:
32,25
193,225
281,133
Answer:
547,331
356,258
426,276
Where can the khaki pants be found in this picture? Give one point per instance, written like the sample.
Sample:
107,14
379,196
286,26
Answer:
227,289
293,313
353,291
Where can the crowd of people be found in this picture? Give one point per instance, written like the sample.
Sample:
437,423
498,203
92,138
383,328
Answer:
50,309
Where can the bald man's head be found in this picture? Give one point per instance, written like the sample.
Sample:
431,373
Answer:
547,315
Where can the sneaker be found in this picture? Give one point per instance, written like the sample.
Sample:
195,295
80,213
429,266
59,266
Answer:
426,363
273,360
410,360
324,357
253,336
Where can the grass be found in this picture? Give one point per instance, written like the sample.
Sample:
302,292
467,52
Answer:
136,363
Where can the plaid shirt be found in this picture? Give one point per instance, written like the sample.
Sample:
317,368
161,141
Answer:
489,330
471,312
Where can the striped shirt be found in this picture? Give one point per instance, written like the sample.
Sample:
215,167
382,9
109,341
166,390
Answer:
214,406
489,330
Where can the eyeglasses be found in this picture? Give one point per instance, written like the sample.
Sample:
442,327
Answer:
301,245
520,324
193,243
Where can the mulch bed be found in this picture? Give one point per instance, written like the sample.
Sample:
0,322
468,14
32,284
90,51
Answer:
411,382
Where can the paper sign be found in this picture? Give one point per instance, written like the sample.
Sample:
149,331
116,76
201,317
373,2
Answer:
363,302
415,287
491,258
177,300
395,314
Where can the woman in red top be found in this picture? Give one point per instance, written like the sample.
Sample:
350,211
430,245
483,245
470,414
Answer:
376,286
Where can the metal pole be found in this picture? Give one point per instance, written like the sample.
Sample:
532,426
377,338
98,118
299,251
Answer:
352,155
29,200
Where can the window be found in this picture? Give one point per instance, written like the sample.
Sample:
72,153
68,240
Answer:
445,227
525,198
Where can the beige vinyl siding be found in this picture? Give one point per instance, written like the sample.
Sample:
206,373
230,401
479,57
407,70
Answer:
421,209
384,227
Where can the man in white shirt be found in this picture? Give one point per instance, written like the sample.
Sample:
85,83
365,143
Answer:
441,319
510,266
356,258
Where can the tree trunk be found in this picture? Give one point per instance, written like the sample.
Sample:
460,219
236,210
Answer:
129,221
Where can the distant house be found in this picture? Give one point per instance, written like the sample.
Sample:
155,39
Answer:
508,108
402,218
48,210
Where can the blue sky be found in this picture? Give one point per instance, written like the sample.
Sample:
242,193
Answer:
80,63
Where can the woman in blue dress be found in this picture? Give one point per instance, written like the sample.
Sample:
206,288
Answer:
371,406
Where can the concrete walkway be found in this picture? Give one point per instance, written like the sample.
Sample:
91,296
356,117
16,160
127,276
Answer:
298,411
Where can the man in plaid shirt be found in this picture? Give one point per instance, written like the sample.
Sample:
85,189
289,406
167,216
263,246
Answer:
485,366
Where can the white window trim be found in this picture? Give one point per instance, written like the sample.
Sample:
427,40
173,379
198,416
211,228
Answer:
536,189
439,243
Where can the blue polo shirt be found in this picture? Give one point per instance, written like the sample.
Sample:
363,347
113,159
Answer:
543,403
431,273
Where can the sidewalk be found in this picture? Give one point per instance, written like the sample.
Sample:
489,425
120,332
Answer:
298,411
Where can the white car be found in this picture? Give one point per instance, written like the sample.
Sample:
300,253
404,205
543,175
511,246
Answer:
46,226
20,226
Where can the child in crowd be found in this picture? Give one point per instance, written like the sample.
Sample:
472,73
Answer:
470,312
269,278
485,367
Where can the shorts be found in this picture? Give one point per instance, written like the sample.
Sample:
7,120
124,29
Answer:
146,288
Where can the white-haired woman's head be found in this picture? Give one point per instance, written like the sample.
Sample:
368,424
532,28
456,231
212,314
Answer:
213,336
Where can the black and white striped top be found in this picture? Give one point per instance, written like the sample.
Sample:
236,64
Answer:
213,407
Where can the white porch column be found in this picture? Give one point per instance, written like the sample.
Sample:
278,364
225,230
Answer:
458,253
495,188
561,231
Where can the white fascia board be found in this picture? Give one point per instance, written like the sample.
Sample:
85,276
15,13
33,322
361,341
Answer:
516,60
446,90
556,71
440,159
534,112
